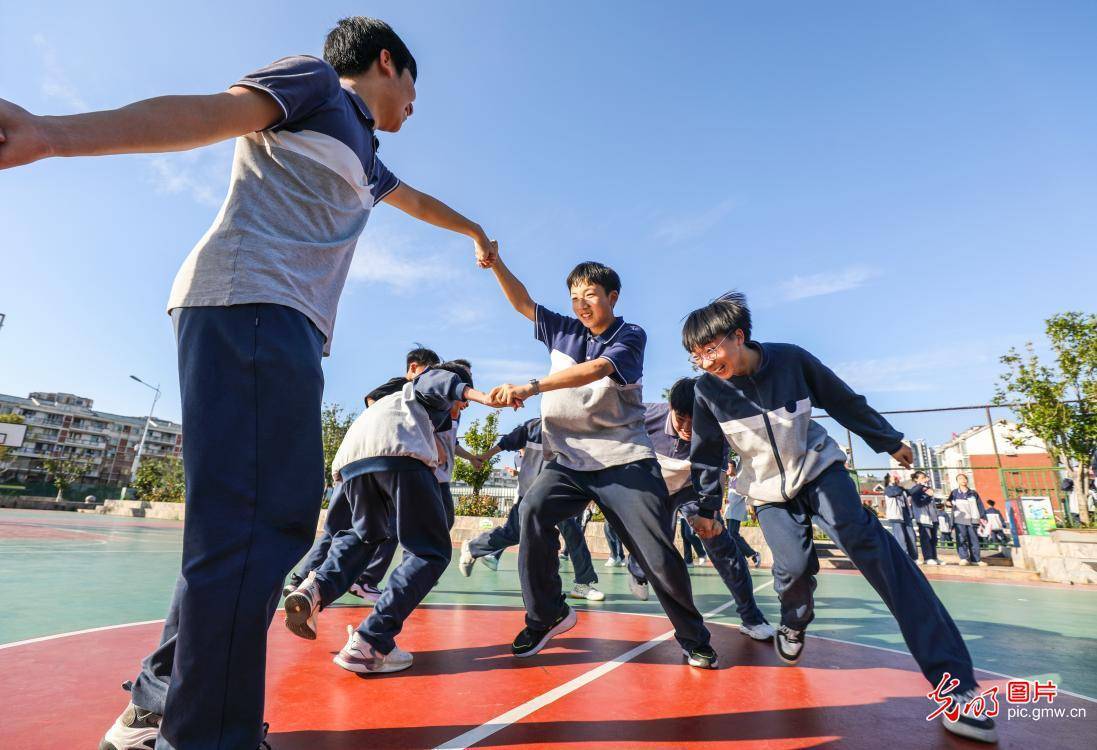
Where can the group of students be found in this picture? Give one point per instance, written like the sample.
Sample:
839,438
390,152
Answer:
253,307
918,520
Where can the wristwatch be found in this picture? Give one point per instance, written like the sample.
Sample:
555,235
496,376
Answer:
535,384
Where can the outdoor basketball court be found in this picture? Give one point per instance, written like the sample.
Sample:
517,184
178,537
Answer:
83,595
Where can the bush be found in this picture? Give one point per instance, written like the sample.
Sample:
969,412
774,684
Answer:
477,505
160,480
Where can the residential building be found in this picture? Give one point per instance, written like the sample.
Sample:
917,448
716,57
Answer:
64,425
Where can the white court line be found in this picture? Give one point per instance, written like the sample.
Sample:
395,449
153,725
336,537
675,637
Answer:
76,632
504,720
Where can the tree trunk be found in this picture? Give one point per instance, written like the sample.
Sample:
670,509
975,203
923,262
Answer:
60,494
1081,491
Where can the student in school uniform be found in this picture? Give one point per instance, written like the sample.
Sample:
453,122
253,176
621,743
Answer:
339,517
924,509
996,525
898,516
592,423
253,308
967,514
670,426
944,523
526,438
736,513
759,398
387,461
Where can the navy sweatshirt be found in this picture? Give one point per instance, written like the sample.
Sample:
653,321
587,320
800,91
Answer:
766,418
528,436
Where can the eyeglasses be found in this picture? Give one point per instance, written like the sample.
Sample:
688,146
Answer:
709,354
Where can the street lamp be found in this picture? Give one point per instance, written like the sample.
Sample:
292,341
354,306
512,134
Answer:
145,432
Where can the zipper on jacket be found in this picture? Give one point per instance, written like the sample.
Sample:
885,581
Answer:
772,439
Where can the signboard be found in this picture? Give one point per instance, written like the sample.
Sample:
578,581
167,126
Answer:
11,435
1039,516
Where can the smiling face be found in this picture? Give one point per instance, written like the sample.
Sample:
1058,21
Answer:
682,424
725,358
592,306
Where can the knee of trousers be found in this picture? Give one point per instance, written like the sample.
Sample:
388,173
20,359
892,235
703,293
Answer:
789,571
528,513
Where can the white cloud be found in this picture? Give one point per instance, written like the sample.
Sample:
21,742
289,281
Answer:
818,284
55,81
915,371
394,260
201,174
683,228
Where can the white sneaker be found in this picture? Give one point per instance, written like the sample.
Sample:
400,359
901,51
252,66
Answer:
639,590
969,725
964,562
982,564
611,562
362,658
465,563
491,562
931,561
761,632
586,591
303,607
135,729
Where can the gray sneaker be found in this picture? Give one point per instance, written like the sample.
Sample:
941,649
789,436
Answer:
466,561
135,729
586,591
302,608
362,658
789,644
491,562
968,724
639,589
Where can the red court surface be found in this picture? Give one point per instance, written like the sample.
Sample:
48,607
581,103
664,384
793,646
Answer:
571,695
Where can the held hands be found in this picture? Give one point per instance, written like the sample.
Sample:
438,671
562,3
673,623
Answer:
905,456
487,251
509,394
706,528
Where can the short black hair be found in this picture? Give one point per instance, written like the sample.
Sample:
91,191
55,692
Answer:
421,355
463,362
462,372
593,272
723,316
990,503
681,396
356,43
918,473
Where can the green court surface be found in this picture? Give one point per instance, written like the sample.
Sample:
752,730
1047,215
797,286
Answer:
64,572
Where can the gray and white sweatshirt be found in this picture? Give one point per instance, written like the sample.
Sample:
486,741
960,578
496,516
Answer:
399,431
766,418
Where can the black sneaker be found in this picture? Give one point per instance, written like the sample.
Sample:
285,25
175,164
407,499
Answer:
530,641
263,744
789,644
967,724
135,729
702,657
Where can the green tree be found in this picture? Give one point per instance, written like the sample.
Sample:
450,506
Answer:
9,419
63,473
160,480
334,421
1059,401
478,440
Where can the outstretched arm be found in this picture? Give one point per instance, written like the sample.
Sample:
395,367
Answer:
581,374
514,290
427,208
165,123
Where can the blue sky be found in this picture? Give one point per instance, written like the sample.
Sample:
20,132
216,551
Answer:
905,191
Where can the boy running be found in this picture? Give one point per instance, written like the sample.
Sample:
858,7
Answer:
387,462
759,397
670,427
254,308
592,425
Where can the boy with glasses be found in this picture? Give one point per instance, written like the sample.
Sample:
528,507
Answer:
759,397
